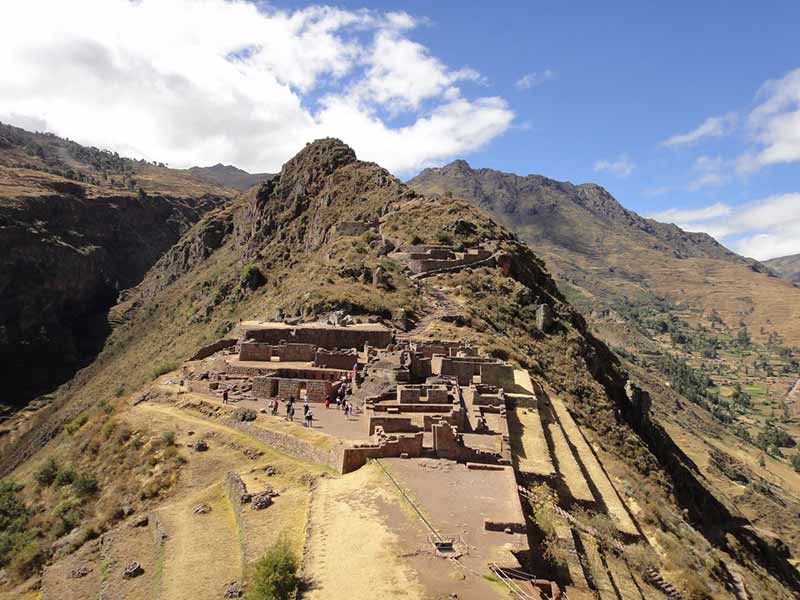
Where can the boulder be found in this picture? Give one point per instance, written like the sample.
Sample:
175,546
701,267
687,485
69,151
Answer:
140,521
262,500
79,572
131,570
201,509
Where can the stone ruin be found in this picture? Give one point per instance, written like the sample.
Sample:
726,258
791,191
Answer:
423,260
275,360
443,401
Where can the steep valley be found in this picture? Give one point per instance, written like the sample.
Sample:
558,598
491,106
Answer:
77,227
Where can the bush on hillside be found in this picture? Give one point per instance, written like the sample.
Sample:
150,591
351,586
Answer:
245,414
252,277
85,484
47,473
275,576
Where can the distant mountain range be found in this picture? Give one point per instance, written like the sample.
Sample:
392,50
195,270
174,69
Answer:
787,267
230,176
606,255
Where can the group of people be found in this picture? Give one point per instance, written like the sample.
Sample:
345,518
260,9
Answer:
341,399
308,416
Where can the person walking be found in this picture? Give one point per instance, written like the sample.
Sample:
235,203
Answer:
309,418
224,396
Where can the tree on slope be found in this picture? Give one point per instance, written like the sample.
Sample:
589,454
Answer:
275,576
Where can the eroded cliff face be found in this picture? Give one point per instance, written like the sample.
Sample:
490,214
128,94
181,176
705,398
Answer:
64,258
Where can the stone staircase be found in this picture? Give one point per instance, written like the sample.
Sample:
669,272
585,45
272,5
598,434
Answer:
655,579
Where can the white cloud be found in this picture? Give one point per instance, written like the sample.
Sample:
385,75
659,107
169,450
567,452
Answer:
709,171
206,81
774,124
761,229
684,215
622,167
711,127
530,80
656,191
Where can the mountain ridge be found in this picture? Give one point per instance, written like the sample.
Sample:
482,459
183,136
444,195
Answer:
230,176
787,267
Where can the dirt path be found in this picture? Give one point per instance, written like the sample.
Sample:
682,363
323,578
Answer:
441,308
351,553
201,554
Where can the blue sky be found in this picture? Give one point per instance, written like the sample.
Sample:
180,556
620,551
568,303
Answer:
667,105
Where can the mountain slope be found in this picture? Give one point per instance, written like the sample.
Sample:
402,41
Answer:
230,176
77,226
787,267
611,254
288,232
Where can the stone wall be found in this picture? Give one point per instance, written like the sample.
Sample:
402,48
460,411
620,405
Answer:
415,407
255,351
391,447
201,386
420,263
261,351
328,337
463,368
333,359
391,424
291,445
235,489
497,374
283,388
206,351
156,528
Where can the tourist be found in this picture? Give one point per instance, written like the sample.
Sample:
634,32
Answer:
306,408
309,418
224,396
291,413
274,406
327,402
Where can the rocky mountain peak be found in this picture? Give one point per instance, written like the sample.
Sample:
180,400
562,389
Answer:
320,157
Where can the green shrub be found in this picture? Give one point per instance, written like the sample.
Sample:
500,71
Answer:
275,576
14,517
245,414
252,277
47,473
796,462
76,423
85,484
443,238
28,560
168,437
64,477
